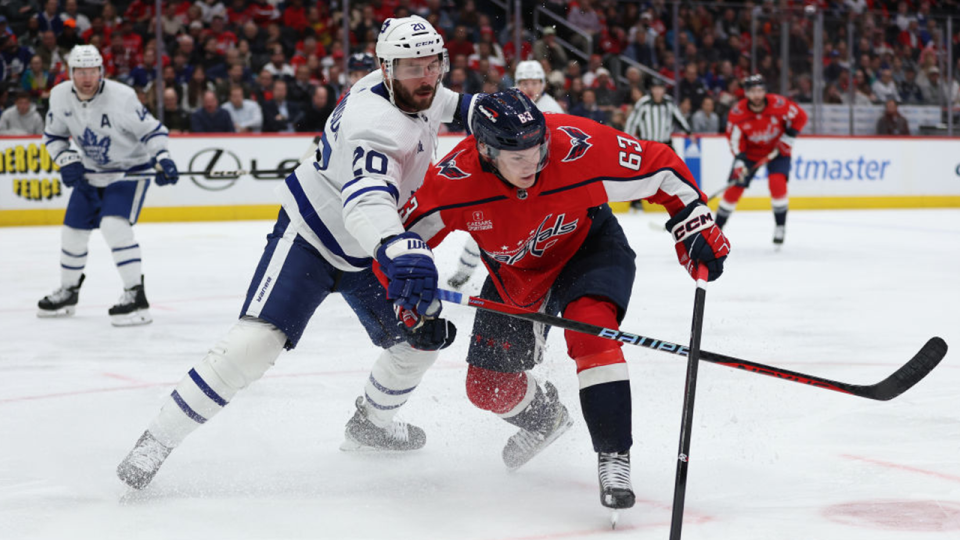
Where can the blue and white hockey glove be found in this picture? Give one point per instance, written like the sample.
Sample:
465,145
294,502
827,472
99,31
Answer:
168,173
71,169
425,333
407,261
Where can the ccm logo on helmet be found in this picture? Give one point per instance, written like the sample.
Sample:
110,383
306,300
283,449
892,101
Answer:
693,225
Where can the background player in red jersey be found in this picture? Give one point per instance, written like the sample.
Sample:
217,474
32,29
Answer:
532,191
761,128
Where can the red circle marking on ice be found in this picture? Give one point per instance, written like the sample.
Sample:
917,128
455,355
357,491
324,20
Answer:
918,516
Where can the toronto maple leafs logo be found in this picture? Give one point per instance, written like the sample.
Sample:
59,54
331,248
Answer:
94,148
578,143
448,168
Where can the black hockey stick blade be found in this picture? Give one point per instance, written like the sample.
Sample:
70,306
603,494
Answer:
899,382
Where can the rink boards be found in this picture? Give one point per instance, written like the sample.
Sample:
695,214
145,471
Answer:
826,173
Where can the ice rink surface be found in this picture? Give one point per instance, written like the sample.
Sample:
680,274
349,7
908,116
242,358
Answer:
851,297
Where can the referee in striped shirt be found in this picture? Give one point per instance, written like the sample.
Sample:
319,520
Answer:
653,117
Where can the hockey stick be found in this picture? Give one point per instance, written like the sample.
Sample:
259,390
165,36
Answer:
689,392
897,383
220,175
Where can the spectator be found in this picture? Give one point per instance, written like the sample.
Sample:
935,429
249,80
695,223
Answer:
211,118
37,82
706,120
910,91
804,91
884,88
938,92
234,78
585,18
69,37
692,87
278,66
588,107
245,113
314,116
195,89
176,119
49,18
22,119
460,44
301,89
70,11
547,48
278,113
892,122
16,59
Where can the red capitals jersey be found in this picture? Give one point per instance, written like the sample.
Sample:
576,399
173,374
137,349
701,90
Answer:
757,134
528,235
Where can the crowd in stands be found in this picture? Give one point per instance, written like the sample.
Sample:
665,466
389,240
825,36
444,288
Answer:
278,65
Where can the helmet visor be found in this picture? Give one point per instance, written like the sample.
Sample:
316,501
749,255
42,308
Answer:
524,162
417,68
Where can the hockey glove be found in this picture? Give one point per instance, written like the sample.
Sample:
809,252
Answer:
71,169
167,173
425,333
407,262
785,144
740,174
699,240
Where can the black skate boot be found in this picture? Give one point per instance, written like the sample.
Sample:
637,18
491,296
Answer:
142,463
61,302
552,420
361,433
614,472
132,309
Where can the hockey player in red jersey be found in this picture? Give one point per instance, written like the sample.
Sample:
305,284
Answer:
532,189
761,128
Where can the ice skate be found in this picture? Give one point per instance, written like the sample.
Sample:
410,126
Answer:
362,434
61,302
142,463
616,492
132,309
526,444
778,234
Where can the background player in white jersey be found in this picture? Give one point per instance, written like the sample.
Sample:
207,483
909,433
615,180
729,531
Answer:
340,211
531,80
116,136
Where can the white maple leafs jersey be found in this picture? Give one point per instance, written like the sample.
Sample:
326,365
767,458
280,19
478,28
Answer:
372,156
546,103
113,131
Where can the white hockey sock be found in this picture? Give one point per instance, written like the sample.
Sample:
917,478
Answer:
393,378
73,254
124,247
242,356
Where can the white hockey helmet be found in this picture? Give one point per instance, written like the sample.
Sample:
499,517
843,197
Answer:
409,37
85,56
529,69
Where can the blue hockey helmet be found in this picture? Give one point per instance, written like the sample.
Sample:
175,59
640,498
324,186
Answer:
508,120
361,62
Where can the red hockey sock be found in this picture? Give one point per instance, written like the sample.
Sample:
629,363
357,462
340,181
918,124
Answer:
778,185
592,351
732,194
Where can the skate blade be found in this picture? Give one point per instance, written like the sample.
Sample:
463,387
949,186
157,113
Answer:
614,518
135,318
547,442
67,311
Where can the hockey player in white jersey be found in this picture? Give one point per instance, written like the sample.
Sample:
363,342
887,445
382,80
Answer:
532,81
116,137
340,212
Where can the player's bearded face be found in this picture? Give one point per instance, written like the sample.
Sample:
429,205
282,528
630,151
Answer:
86,80
756,95
415,83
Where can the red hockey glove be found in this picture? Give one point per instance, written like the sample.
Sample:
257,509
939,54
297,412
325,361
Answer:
425,333
699,240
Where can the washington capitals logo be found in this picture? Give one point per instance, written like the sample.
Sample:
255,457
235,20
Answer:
578,143
448,168
95,149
